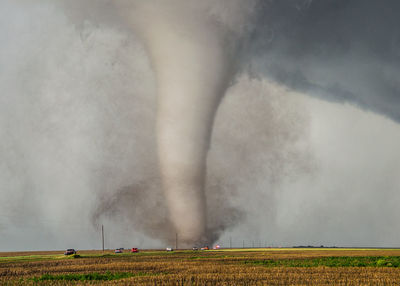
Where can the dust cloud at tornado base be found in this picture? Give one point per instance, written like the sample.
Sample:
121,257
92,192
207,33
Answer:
251,109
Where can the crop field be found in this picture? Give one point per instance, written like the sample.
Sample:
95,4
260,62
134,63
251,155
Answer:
214,267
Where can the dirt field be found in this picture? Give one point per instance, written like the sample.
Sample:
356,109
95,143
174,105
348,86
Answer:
223,267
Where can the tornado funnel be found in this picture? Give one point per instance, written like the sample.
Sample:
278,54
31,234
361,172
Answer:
186,48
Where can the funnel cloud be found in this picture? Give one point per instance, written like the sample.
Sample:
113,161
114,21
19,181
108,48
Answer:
192,54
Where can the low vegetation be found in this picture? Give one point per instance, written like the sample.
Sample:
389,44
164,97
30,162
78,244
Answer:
233,267
341,261
87,277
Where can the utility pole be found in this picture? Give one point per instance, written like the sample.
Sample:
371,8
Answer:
243,244
176,241
230,242
102,236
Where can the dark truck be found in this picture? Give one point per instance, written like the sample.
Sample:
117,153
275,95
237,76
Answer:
70,251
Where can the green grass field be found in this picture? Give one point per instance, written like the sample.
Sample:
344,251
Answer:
281,266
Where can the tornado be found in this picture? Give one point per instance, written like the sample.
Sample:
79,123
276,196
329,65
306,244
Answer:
191,51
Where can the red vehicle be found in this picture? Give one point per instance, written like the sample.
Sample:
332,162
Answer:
134,250
205,248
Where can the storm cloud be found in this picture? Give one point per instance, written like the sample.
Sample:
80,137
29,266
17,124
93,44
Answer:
340,50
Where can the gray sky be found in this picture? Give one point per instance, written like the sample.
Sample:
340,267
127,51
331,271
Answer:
304,149
342,50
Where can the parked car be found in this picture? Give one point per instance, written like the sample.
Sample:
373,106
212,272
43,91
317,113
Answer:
134,250
70,251
169,249
195,248
118,250
205,248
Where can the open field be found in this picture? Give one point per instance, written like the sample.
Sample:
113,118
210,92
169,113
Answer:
223,267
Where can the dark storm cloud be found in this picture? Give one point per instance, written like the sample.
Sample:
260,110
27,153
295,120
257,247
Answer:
341,50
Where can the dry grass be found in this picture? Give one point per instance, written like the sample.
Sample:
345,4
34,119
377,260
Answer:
196,268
